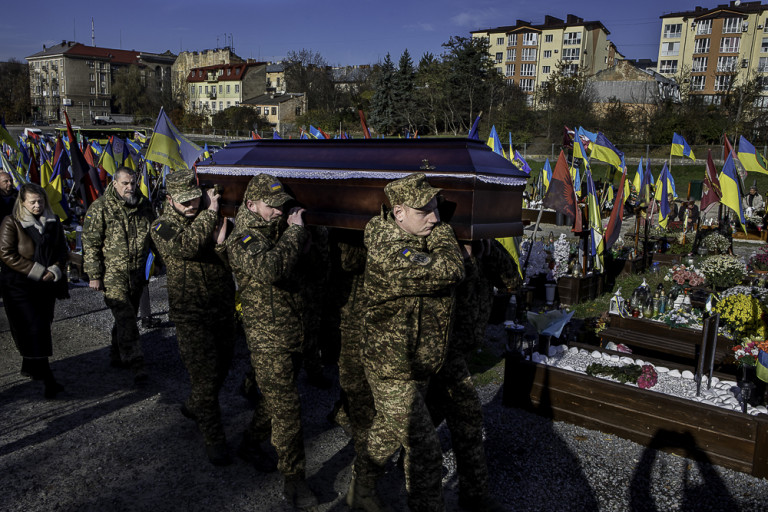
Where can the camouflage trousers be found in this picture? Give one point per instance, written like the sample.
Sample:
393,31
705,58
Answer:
122,296
452,396
357,399
276,372
402,419
206,348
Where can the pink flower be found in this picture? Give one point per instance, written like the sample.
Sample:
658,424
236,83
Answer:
648,377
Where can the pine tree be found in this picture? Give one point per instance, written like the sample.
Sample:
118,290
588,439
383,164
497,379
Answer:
404,87
382,116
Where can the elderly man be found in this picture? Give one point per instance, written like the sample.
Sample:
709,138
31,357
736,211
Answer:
201,298
412,269
7,194
116,245
754,201
265,252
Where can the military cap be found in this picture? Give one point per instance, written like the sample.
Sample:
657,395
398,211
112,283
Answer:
182,186
413,191
268,189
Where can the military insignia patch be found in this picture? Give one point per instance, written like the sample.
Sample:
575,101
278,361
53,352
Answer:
247,239
416,257
165,231
276,187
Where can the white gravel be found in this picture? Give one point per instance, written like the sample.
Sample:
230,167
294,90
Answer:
107,446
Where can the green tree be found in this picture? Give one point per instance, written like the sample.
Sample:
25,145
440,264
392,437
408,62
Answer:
239,119
14,91
307,71
565,99
383,116
404,85
430,94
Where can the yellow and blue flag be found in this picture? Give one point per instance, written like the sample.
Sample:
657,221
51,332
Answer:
168,146
54,189
495,143
7,138
520,162
603,150
107,160
761,368
595,221
680,147
750,158
144,182
546,174
662,196
729,187
512,245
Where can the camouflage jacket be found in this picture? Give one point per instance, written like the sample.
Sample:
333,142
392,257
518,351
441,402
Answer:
409,285
200,283
474,296
264,257
116,236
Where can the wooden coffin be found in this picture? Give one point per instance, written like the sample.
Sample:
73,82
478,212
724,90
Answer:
341,182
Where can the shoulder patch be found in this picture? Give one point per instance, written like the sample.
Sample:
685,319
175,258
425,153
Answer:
246,240
164,230
416,257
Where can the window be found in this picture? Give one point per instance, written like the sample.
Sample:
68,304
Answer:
206,89
529,54
228,104
547,54
762,67
221,89
191,90
258,111
673,31
213,105
274,111
699,64
227,88
764,45
729,44
510,69
726,64
237,103
723,82
237,87
106,103
511,54
512,40
528,70
571,53
731,26
572,38
499,56
701,46
545,69
703,27
221,105
93,90
526,85
530,39
499,41
91,77
698,82
668,66
670,49
92,103
548,38
90,64
570,69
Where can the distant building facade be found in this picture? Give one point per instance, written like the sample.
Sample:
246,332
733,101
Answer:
717,47
186,61
280,110
80,78
211,89
636,88
526,54
276,78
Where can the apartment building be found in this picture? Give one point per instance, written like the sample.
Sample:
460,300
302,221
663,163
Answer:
279,110
189,60
527,54
716,48
80,77
212,89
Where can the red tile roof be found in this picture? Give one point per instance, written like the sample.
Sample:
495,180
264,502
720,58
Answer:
236,71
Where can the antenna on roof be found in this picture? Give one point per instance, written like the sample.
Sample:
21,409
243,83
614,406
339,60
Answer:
93,34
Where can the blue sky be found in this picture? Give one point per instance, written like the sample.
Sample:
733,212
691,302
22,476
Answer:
344,32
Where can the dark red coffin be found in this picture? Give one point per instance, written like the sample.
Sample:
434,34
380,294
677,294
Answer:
341,182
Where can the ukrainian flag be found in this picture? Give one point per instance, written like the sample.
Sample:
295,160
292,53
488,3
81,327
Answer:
495,143
546,174
603,150
762,366
167,145
595,221
144,183
54,190
729,185
107,160
750,158
662,196
680,147
512,245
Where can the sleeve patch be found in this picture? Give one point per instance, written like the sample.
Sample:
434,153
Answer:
246,240
419,258
164,230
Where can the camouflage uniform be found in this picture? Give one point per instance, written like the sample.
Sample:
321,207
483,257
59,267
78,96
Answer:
201,300
264,256
452,394
409,285
115,248
315,266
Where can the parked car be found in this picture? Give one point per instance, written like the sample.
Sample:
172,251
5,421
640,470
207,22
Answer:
39,122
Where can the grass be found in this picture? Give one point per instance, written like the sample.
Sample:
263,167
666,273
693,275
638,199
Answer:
485,367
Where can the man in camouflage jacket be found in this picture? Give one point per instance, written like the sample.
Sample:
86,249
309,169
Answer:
201,299
452,395
412,269
116,244
265,252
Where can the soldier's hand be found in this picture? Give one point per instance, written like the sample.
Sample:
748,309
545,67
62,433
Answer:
48,276
466,249
96,284
220,233
295,216
213,199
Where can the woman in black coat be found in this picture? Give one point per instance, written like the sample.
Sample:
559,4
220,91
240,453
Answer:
33,256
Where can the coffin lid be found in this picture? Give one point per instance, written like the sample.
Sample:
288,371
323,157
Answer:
364,158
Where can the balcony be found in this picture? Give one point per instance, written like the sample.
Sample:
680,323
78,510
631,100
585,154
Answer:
212,95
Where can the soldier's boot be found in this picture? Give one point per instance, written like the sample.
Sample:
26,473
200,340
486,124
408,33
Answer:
338,416
218,454
140,376
250,450
361,496
481,503
298,494
115,361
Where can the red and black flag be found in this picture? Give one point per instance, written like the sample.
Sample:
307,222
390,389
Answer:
561,195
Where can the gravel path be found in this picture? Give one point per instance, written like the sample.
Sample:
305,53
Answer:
105,445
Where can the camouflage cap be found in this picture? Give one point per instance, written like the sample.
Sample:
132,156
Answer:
413,191
182,186
268,189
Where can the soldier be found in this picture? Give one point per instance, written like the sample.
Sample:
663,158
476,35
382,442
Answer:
201,299
452,394
264,251
412,269
116,245
7,194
